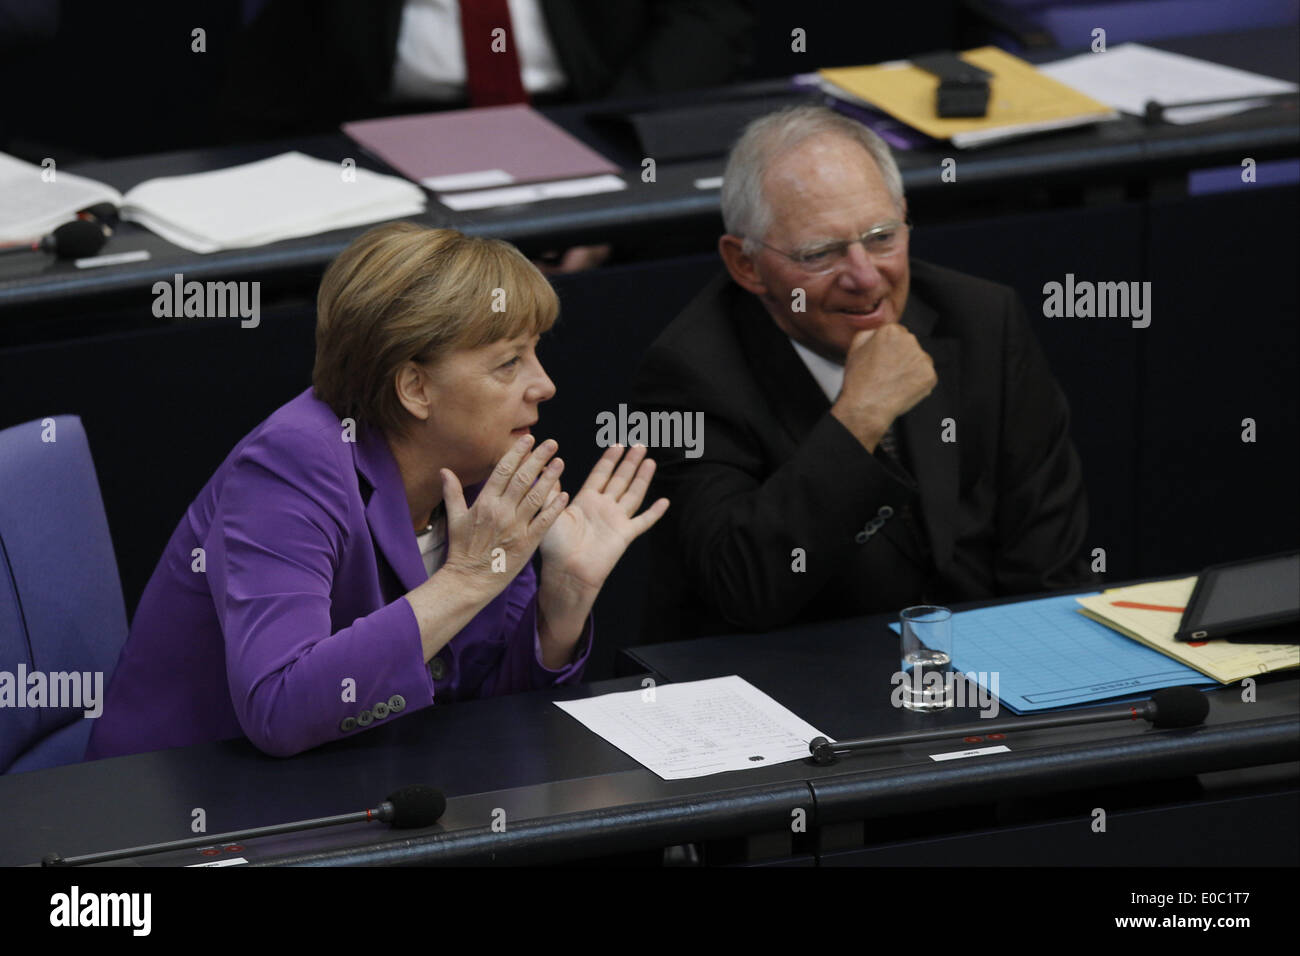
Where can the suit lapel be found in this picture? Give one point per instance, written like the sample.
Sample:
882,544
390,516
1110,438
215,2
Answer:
580,59
801,401
387,512
936,464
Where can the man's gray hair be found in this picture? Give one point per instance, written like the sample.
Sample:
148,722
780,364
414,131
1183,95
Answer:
745,210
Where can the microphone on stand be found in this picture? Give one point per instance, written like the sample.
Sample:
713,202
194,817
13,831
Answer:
72,240
1167,708
406,809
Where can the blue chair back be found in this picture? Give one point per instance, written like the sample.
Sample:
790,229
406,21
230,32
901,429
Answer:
1070,23
61,609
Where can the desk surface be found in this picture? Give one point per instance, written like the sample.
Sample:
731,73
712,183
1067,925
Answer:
566,793
673,204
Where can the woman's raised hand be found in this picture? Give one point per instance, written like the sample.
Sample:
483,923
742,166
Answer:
490,542
589,537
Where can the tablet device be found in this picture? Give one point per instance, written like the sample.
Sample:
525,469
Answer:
1258,595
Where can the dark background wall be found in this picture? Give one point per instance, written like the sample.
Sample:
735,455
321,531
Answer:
98,79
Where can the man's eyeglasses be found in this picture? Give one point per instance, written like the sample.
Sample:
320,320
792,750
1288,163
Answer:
880,242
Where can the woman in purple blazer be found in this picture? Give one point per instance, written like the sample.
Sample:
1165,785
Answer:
364,552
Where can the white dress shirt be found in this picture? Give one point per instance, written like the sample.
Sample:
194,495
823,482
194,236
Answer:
829,375
433,544
430,63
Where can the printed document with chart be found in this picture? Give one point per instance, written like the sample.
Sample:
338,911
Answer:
696,728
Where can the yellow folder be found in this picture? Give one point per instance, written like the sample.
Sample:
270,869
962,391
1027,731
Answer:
1150,613
1021,100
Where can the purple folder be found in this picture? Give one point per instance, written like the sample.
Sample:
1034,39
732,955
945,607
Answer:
470,149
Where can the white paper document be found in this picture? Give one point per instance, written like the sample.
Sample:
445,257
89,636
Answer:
697,728
34,200
1130,74
532,192
283,197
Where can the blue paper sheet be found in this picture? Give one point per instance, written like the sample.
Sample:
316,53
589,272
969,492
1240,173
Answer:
1048,655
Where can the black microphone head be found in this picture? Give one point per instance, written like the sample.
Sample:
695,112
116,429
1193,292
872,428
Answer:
76,239
103,211
1178,707
416,806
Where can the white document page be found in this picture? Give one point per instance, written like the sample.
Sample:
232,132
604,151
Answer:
282,197
532,192
1130,74
34,202
697,728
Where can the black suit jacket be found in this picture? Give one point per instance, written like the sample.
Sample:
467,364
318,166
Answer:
781,482
308,65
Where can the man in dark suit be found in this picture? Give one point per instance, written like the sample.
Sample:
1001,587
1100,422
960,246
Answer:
878,432
308,65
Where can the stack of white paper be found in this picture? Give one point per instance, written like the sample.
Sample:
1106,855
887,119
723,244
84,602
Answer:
1129,75
282,197
278,198
34,201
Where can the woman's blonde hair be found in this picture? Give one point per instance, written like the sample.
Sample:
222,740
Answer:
403,292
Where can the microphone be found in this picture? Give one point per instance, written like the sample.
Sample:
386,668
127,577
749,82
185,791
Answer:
412,807
104,212
1153,113
406,809
1167,708
72,240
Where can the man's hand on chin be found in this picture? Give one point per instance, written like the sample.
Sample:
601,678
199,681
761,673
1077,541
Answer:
886,373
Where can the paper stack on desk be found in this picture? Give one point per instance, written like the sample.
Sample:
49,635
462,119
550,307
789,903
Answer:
34,201
1048,655
282,197
1130,74
1155,622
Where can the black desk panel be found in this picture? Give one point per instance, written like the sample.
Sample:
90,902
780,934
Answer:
505,743
1220,832
646,215
558,792
1034,804
670,216
518,761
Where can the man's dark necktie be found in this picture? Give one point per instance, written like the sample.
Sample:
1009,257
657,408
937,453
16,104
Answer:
889,450
492,78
